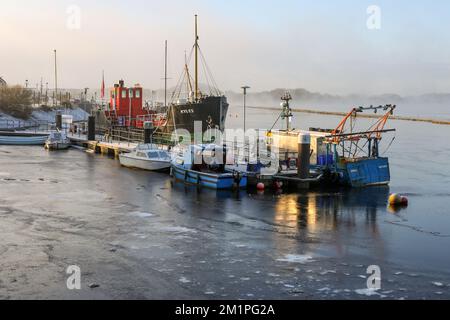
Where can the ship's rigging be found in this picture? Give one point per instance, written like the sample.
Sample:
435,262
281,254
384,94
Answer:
350,141
191,84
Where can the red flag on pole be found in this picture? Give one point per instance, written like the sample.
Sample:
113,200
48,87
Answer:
103,86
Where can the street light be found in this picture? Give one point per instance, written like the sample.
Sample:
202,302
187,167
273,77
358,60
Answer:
245,95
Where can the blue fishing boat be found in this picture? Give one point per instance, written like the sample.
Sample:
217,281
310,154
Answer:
204,166
366,172
353,158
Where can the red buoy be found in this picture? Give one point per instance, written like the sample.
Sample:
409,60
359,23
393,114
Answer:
404,201
260,186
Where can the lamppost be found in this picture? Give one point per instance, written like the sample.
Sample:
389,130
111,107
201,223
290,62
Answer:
245,95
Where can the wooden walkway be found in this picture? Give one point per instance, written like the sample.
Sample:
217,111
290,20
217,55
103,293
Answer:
103,147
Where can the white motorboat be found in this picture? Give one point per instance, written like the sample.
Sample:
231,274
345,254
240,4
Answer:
146,157
57,141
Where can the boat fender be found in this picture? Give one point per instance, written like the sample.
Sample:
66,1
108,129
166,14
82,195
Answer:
398,200
237,177
278,185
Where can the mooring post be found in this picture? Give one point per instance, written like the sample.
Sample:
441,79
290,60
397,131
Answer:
148,130
91,128
247,148
58,120
304,147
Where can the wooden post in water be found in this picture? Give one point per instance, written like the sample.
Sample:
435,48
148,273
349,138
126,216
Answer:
58,121
148,130
304,147
91,128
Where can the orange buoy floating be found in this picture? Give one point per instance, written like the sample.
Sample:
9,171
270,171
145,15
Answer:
398,200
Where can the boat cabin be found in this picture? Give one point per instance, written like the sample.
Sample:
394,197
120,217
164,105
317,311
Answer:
150,151
202,157
126,102
57,136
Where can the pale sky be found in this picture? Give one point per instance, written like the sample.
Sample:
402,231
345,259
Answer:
322,45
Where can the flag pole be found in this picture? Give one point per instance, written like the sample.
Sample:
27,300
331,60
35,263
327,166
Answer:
102,92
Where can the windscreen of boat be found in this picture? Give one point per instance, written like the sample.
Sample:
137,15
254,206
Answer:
141,155
164,155
55,136
153,154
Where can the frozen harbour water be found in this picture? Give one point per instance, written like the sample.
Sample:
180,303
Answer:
137,235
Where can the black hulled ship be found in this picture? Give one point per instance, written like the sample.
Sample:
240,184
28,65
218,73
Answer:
190,104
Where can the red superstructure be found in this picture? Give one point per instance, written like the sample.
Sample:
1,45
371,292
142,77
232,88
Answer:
120,112
121,98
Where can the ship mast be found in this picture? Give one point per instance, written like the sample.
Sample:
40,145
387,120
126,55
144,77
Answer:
56,82
196,61
188,76
165,75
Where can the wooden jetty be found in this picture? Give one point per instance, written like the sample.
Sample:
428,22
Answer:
112,148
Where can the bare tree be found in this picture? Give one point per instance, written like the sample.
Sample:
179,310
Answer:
16,101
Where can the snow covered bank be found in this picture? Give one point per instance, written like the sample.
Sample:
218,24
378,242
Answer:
39,115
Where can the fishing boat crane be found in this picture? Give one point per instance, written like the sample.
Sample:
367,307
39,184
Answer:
344,134
357,165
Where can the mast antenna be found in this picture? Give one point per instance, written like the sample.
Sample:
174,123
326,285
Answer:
56,81
165,75
286,112
196,60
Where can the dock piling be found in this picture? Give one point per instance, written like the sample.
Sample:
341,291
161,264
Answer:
58,121
304,147
148,130
91,128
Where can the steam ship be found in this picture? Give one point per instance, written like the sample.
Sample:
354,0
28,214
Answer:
188,103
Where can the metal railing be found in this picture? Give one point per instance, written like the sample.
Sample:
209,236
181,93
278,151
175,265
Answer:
133,135
29,125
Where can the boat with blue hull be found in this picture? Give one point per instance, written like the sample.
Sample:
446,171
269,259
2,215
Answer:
353,158
365,172
219,181
23,138
322,157
212,174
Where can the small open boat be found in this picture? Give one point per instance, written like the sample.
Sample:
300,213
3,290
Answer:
211,174
146,157
57,141
22,138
